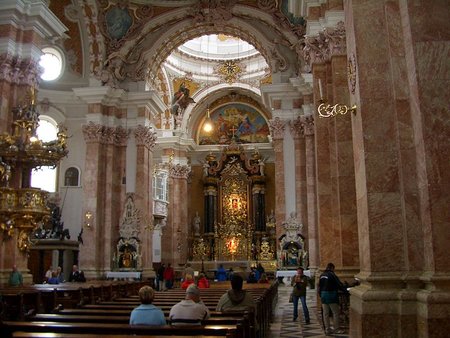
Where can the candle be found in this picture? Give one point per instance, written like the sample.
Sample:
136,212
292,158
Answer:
320,89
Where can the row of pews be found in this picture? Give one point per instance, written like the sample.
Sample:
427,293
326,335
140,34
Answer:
103,308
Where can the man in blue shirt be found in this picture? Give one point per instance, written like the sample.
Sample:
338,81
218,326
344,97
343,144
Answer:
147,313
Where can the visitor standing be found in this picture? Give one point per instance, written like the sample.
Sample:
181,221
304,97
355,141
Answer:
299,283
329,285
169,276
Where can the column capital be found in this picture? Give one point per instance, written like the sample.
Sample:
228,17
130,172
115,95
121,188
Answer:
92,132
308,125
19,71
277,127
145,136
329,42
180,171
121,136
297,128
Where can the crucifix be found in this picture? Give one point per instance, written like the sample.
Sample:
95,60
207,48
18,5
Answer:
233,129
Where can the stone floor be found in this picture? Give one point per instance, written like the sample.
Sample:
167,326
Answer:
284,327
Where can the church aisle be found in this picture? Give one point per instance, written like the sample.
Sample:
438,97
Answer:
284,327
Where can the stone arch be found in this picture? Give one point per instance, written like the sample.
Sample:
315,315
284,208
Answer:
141,58
193,116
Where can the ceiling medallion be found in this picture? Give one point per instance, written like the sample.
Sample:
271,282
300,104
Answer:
229,71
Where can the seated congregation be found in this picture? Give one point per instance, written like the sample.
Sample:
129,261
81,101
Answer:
232,308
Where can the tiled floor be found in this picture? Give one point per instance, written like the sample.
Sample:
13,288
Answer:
284,327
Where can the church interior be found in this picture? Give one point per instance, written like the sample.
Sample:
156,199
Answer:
284,133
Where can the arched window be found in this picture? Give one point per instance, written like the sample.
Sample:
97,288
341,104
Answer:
45,177
72,177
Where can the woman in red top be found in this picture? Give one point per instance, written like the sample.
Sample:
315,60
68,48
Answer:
203,282
188,281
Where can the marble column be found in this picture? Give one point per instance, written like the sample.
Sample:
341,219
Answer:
296,128
277,127
145,138
400,138
329,238
343,173
93,201
311,193
179,205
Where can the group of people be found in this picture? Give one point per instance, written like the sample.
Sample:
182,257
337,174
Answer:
165,277
191,310
328,290
54,276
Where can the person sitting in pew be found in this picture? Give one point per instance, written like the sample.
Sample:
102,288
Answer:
54,278
236,299
76,275
191,310
15,278
147,313
203,282
187,281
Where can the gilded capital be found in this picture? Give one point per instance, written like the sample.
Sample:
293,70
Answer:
308,125
121,136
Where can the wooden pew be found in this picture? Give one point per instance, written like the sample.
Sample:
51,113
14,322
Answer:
9,327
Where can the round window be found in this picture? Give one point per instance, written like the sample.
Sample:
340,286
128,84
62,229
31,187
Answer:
51,61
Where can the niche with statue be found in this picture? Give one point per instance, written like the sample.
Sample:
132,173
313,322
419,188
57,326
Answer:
128,248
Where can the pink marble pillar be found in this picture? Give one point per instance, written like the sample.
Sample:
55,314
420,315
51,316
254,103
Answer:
179,205
145,141
311,193
343,173
400,138
425,31
297,132
329,238
94,185
277,127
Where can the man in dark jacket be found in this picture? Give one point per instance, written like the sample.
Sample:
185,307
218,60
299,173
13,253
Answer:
329,285
76,275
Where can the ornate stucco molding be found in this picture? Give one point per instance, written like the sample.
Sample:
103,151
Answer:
121,136
145,136
19,71
93,132
297,127
330,42
180,171
277,127
308,125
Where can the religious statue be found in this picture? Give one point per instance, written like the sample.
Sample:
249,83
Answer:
127,258
205,168
261,165
196,223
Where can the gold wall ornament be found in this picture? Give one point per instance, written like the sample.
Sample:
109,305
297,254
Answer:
327,110
23,241
230,70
